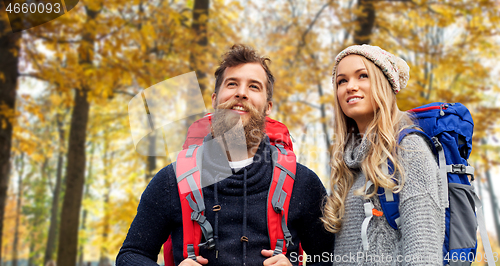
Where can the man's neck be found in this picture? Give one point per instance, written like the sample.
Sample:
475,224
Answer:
234,155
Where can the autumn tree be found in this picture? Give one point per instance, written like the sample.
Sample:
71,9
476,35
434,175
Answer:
9,52
56,190
19,165
75,171
365,20
101,54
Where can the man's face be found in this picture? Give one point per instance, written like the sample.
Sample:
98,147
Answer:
245,85
243,94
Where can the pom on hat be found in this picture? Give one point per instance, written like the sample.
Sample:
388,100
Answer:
394,68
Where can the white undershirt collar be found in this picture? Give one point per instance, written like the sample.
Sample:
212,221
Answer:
240,164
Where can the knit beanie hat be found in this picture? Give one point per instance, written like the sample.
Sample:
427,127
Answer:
394,68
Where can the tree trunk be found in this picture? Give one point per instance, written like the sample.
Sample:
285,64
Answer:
87,194
199,27
324,126
494,205
81,253
75,179
364,22
20,170
151,160
9,52
477,179
493,198
323,118
107,164
36,236
31,258
104,258
54,216
75,168
199,31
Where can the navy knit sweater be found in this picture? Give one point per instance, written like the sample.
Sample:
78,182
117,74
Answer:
159,214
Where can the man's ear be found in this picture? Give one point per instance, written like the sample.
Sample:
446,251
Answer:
214,100
269,108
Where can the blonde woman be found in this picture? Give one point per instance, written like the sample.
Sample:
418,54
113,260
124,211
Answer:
368,122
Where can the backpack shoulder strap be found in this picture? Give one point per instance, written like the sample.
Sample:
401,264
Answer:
278,200
390,201
188,173
413,130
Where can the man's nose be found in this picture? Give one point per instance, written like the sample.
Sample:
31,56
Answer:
241,92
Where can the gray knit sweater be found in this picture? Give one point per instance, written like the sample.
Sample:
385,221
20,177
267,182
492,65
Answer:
420,237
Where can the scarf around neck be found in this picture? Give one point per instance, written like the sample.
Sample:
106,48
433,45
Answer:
355,151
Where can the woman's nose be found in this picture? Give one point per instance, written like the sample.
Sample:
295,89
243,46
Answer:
352,86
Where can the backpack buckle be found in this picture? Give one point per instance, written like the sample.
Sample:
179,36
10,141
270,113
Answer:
437,144
288,240
198,217
209,244
458,168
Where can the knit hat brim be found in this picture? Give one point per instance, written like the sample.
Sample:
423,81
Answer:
394,68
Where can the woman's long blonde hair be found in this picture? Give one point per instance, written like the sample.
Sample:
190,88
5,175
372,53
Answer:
382,133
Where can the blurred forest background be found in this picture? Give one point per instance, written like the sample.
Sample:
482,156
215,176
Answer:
70,178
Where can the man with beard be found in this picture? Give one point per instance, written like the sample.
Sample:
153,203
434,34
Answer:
236,175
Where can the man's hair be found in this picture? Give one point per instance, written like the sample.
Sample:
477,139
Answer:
241,54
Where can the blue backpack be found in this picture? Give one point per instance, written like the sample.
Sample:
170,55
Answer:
448,127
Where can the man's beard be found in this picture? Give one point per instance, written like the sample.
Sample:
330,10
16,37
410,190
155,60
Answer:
225,123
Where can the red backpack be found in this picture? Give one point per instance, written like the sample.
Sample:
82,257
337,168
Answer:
195,224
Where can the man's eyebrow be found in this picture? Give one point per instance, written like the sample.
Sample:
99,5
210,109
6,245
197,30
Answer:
256,81
238,79
230,79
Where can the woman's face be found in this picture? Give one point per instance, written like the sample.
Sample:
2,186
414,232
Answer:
354,91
